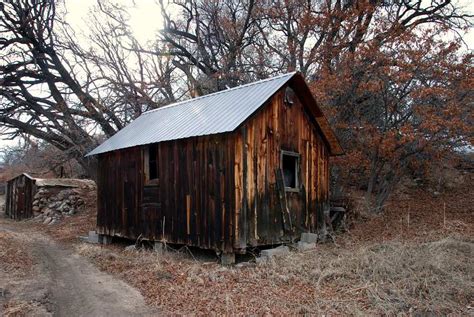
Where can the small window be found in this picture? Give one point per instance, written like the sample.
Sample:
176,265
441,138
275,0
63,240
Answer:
153,153
151,164
289,166
289,96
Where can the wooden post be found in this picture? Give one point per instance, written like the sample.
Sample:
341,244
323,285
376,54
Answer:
285,212
188,214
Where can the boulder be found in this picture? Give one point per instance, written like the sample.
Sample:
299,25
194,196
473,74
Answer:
309,237
304,246
281,250
130,248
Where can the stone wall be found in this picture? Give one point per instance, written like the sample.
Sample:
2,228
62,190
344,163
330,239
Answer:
52,203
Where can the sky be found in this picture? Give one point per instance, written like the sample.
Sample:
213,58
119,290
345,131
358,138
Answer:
146,20
145,17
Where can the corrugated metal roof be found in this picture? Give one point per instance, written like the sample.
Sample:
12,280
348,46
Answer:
215,113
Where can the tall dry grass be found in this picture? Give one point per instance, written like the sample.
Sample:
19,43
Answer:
383,278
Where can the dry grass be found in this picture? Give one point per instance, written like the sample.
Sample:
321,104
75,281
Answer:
14,259
383,265
383,278
415,214
16,266
415,258
21,308
390,278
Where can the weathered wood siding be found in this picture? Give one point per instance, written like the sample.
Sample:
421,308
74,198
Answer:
193,203
19,197
274,128
218,192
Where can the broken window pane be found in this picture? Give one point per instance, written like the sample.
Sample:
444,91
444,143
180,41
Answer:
152,161
290,169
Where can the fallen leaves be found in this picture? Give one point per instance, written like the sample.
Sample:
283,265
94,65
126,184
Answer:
413,258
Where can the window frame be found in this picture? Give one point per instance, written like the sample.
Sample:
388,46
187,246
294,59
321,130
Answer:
146,163
297,155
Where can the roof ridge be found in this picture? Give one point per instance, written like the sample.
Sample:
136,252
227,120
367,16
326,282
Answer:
219,92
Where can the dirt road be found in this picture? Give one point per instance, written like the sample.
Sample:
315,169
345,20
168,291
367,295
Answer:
62,283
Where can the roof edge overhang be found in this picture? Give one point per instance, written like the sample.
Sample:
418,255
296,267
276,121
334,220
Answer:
22,174
298,83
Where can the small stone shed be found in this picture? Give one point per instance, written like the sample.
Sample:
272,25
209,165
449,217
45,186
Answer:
28,197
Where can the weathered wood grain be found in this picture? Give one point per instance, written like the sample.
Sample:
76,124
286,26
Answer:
219,192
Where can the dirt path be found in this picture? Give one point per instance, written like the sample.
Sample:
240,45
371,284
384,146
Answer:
66,284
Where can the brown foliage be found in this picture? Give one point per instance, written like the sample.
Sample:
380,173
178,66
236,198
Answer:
391,75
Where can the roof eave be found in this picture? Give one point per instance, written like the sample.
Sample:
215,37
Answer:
302,89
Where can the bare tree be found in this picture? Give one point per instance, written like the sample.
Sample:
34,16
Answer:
54,89
366,60
210,42
40,95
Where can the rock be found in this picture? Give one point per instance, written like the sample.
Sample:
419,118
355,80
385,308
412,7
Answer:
262,260
244,264
62,207
159,247
54,205
309,237
93,237
47,220
36,208
304,246
281,250
62,195
131,248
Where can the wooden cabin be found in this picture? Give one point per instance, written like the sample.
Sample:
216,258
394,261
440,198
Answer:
243,167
